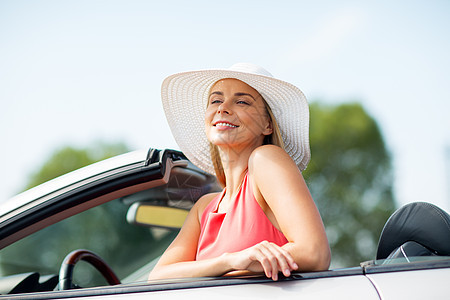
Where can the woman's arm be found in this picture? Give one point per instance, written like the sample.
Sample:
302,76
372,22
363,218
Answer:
179,259
280,189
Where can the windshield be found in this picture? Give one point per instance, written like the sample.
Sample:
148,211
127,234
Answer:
103,230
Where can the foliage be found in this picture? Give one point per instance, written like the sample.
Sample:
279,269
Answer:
69,158
350,179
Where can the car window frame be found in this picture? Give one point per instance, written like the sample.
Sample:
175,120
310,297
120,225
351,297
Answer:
93,191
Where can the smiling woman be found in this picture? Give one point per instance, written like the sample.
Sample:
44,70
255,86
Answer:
265,219
236,118
253,109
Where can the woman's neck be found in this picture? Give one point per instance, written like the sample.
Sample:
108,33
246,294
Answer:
235,165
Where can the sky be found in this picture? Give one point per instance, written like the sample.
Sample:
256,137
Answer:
77,72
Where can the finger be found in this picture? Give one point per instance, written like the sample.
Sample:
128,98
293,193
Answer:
292,264
259,254
271,257
282,257
286,262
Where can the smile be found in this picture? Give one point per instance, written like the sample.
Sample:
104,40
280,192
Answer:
220,124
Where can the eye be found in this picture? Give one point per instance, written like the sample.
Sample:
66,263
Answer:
214,101
240,101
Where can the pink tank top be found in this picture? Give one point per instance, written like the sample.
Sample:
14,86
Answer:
242,226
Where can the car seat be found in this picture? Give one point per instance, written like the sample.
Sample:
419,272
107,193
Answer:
416,229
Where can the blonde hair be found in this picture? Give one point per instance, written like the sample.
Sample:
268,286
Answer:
274,138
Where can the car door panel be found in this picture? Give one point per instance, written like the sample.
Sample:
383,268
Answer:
417,284
344,287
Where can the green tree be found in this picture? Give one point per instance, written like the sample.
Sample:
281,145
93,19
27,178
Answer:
350,179
68,158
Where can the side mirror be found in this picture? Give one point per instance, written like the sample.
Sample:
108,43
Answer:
146,214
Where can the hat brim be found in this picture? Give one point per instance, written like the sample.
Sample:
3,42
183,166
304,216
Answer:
185,98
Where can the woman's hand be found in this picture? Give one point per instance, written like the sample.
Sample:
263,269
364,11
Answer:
263,257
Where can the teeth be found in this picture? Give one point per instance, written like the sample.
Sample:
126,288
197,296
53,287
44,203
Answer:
226,124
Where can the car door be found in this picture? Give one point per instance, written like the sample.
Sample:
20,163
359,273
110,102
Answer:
425,278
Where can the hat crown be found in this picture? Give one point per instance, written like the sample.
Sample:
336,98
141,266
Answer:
250,68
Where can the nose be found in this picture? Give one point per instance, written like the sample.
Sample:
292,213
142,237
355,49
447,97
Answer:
223,108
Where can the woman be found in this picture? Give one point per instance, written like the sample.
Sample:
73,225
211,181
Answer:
252,131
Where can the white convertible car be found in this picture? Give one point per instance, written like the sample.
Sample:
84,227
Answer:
114,218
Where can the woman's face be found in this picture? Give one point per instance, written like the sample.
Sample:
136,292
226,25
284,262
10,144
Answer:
236,115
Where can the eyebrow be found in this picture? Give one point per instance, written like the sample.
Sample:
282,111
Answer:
216,93
236,94
244,94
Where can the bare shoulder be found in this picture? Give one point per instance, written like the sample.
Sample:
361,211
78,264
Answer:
271,168
270,158
268,149
203,201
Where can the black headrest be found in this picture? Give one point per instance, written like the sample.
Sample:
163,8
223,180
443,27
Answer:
420,222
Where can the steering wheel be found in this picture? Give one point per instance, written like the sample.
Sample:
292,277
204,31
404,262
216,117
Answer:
66,270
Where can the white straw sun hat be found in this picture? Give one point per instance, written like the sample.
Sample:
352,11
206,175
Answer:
185,98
